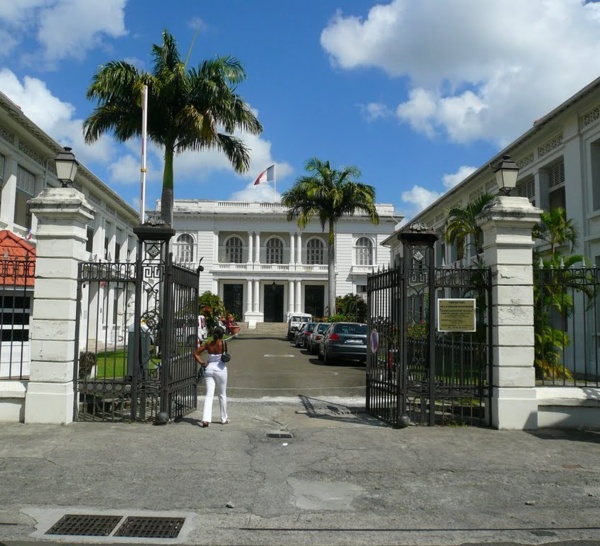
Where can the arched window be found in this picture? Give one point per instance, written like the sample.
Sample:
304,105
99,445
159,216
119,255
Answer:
185,248
364,251
233,250
314,252
274,251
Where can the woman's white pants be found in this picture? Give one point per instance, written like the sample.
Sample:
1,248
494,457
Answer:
215,375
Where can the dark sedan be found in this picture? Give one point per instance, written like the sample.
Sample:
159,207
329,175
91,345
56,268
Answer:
303,334
344,341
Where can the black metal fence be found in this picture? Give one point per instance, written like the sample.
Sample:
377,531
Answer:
17,277
418,372
137,330
567,326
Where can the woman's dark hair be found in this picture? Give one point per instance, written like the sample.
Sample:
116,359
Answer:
218,333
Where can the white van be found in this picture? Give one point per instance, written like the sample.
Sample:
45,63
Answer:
295,321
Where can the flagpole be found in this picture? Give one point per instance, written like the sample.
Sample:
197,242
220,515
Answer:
144,141
275,177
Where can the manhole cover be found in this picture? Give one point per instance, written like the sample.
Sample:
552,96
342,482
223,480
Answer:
150,527
92,526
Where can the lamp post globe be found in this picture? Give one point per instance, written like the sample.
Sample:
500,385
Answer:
66,167
506,173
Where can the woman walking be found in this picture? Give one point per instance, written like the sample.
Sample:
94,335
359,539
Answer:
215,374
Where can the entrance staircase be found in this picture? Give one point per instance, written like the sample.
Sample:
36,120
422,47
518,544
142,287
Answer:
277,329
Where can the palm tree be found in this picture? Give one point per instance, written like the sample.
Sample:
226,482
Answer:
462,222
554,228
329,194
188,108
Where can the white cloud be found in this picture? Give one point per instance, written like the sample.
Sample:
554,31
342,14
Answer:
53,116
469,62
62,28
451,180
375,110
418,198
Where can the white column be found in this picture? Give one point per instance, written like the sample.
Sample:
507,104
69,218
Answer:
63,215
250,246
298,305
249,296
256,295
257,260
299,248
292,248
291,296
9,191
507,248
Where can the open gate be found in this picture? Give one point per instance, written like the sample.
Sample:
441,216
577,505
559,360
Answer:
429,355
136,331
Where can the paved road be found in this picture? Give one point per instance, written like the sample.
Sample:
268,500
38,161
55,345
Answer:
268,366
304,469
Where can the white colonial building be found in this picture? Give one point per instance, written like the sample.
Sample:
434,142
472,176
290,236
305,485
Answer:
263,266
559,162
27,167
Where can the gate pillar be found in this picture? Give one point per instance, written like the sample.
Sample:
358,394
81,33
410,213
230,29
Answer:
508,244
63,215
419,275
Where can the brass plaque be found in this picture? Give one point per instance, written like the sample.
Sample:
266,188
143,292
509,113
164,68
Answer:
456,315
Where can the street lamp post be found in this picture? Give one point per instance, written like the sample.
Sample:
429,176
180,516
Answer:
66,167
506,175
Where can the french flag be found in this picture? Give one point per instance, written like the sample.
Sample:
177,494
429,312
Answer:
268,175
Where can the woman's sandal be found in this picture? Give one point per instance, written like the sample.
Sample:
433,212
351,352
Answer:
226,422
204,424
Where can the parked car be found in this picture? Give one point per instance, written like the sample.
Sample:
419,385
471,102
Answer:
312,344
295,320
302,335
299,333
344,341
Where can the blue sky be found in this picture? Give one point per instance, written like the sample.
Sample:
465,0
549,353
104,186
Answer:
416,94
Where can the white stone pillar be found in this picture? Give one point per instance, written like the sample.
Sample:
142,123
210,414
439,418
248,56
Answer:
507,248
291,296
9,191
299,248
250,247
63,215
257,260
292,248
249,296
298,291
256,295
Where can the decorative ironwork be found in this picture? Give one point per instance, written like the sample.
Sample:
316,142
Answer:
136,335
416,374
552,144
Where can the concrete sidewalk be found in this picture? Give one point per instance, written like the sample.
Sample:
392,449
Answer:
293,471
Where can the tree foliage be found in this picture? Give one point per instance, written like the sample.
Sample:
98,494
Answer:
327,194
462,222
188,108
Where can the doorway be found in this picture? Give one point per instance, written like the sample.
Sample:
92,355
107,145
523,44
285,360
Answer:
314,300
233,300
273,303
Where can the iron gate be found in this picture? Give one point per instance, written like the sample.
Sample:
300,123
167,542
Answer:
136,331
420,371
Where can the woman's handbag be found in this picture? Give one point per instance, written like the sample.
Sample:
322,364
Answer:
225,356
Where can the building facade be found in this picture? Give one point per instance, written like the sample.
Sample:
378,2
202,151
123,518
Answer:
27,167
559,166
264,267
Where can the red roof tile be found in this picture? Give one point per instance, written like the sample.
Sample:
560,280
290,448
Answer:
14,250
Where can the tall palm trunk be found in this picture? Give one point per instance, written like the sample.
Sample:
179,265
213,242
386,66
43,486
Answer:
166,199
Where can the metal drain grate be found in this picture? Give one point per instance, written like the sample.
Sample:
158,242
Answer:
91,526
150,527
